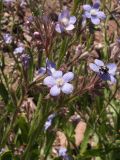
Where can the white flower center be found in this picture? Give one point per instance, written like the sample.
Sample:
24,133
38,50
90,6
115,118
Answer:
60,82
93,12
64,21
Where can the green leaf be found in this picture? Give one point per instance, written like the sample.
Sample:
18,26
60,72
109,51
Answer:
63,50
4,93
85,140
7,156
50,140
22,124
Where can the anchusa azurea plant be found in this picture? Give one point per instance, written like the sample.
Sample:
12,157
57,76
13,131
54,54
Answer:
59,80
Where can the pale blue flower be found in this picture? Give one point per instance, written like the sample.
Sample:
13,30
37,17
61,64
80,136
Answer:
106,72
49,121
19,50
65,21
62,151
7,38
59,82
47,124
49,69
93,13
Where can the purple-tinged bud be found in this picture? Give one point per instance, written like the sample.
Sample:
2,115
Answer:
25,59
36,35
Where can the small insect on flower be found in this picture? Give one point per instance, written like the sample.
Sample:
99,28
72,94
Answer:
59,82
106,72
93,13
65,21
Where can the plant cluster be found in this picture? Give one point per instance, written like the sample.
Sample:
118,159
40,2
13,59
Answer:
59,80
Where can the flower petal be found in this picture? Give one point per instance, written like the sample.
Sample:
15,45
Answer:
68,77
50,67
87,7
94,67
96,4
105,76
87,14
101,15
72,20
99,62
64,14
57,74
50,64
59,28
112,68
47,124
49,81
41,71
62,152
51,116
67,88
54,91
95,20
112,79
70,27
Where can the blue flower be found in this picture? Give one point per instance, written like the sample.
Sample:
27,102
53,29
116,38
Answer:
25,59
62,152
65,21
49,121
106,72
59,82
20,49
7,38
50,68
93,13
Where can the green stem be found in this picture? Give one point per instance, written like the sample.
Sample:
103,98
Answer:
64,47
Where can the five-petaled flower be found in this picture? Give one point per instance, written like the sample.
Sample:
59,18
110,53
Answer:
59,82
93,13
106,72
65,21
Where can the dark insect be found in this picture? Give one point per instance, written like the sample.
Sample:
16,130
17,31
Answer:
104,69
